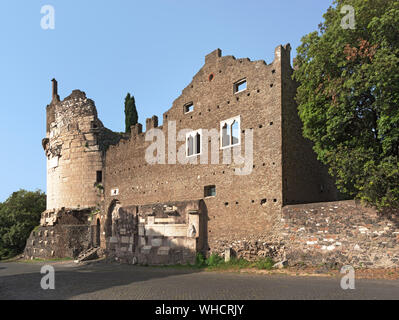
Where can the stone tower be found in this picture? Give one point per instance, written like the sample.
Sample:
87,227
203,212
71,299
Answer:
75,143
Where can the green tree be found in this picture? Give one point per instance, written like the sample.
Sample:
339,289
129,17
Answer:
131,115
349,98
19,215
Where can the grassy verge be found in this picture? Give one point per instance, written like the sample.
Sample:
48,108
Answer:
217,263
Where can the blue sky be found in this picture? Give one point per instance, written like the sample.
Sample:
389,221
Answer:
151,49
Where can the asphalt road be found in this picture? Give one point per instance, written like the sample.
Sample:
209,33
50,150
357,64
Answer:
110,282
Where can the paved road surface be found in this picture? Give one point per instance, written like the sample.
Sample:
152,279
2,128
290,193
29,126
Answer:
102,281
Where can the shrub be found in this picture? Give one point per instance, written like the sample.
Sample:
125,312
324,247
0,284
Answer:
265,264
214,260
200,260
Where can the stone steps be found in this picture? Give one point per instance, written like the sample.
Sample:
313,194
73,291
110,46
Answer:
89,254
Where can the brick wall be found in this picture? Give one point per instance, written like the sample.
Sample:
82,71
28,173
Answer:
244,206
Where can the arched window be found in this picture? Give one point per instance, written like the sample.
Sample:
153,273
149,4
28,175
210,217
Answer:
193,143
230,132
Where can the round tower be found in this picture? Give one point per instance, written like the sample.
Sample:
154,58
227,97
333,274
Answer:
74,152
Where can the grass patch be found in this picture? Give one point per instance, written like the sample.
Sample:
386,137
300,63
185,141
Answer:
217,263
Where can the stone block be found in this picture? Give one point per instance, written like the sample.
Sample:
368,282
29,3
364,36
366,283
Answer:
146,249
151,220
125,240
156,242
177,242
163,251
167,230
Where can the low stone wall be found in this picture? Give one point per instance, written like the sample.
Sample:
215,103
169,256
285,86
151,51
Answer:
332,234
62,234
340,233
63,241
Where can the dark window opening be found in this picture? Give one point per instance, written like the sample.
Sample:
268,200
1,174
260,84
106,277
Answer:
198,143
189,108
210,191
99,178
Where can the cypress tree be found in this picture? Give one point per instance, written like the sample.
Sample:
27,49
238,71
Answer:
131,115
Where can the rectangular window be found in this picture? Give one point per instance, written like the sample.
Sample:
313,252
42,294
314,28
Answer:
189,108
230,132
210,191
194,143
240,86
99,178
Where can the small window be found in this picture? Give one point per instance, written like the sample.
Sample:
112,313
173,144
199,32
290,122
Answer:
99,178
193,143
230,132
189,108
240,86
210,191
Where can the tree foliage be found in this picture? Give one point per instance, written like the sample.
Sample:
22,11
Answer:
19,215
349,98
131,115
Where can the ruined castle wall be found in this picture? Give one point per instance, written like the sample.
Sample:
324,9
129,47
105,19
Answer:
74,143
244,206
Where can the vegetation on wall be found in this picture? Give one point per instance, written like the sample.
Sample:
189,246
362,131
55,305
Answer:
349,98
19,215
131,115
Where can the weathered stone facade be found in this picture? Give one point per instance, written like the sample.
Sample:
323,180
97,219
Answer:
63,233
165,211
157,234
